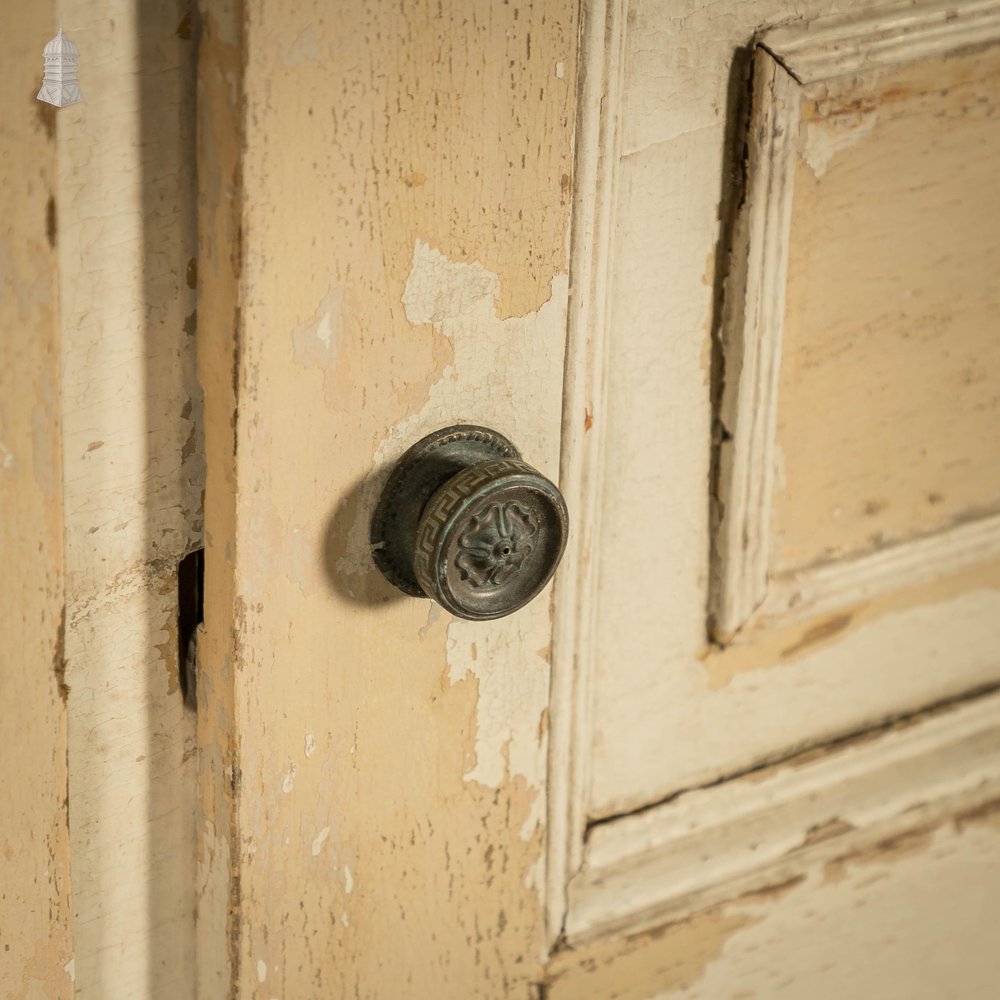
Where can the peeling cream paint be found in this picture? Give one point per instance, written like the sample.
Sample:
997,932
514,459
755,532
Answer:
310,744
316,342
492,378
288,782
822,140
434,613
319,840
348,880
305,46
459,300
261,970
883,898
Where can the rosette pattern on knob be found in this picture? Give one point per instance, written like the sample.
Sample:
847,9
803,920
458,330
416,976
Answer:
496,544
464,521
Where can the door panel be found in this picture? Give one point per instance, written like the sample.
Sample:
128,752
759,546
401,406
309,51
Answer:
850,288
865,364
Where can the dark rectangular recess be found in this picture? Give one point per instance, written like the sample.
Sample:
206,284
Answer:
190,614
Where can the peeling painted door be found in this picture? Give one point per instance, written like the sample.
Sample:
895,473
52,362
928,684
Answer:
725,271
774,728
734,287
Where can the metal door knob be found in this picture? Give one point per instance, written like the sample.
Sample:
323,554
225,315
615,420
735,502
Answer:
464,521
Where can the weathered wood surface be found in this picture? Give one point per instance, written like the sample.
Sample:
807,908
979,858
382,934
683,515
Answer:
909,916
133,475
857,419
670,708
768,825
386,195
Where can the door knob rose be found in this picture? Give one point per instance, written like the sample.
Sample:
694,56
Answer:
464,521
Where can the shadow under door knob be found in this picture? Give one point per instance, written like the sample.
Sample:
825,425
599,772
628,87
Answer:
464,521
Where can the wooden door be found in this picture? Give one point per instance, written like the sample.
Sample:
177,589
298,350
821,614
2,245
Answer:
736,287
726,272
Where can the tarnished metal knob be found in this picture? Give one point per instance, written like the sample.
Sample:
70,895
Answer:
464,521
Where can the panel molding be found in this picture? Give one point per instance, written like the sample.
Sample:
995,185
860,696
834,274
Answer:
842,46
755,307
709,843
810,593
743,590
598,146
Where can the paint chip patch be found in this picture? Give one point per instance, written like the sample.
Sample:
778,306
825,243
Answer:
261,970
310,744
820,142
438,290
348,880
319,840
289,782
316,342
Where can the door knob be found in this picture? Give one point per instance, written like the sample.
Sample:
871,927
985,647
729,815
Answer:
464,521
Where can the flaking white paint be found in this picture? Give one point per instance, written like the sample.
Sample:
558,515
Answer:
820,142
438,290
316,342
499,376
319,840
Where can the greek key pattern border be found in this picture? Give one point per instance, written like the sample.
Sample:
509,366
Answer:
449,498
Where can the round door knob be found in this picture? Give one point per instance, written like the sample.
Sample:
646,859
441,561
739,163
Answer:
464,521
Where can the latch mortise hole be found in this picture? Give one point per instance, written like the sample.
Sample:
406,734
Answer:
190,614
